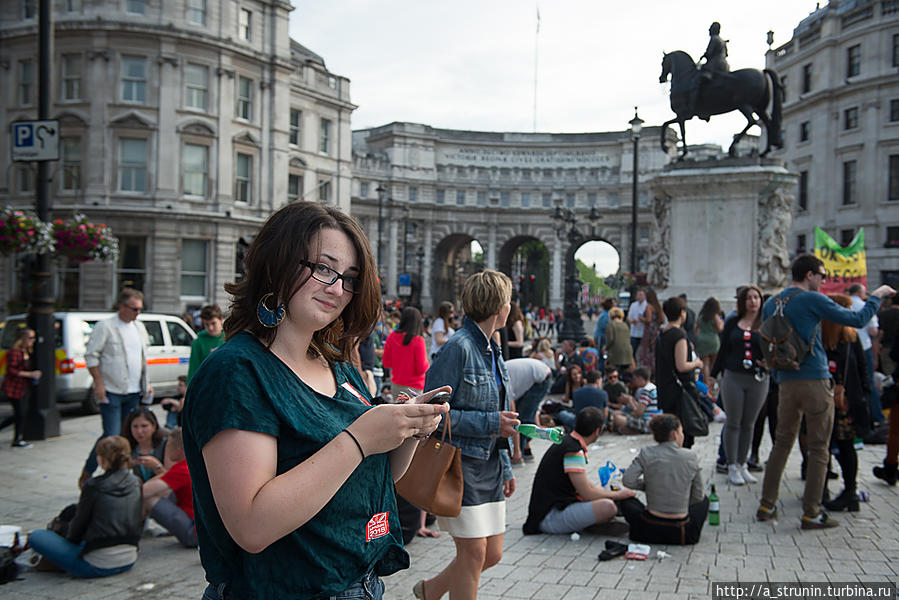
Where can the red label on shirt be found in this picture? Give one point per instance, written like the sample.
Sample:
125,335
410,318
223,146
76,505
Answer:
348,387
377,527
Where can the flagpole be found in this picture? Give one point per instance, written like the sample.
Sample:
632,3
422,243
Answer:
536,54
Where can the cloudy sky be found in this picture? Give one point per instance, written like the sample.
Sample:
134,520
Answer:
470,64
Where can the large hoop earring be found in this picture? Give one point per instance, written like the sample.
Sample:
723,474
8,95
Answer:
267,317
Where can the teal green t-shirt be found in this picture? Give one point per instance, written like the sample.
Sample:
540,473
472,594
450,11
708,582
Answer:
244,386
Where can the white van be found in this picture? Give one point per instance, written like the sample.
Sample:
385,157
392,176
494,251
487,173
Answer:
167,357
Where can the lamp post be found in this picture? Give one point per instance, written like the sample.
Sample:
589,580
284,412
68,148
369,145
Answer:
382,191
636,125
566,227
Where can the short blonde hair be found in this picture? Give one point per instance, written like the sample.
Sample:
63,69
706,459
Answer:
484,294
616,313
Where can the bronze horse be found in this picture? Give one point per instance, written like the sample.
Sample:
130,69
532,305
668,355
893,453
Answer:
746,90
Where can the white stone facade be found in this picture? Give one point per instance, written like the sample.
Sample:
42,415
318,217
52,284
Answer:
185,124
841,127
449,187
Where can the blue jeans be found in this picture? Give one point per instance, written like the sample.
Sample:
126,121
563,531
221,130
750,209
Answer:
369,587
176,521
64,554
874,399
113,414
527,405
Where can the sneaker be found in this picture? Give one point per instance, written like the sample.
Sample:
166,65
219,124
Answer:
822,521
754,466
21,444
744,473
527,455
765,514
734,475
721,468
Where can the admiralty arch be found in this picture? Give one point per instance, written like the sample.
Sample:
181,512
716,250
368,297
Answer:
424,195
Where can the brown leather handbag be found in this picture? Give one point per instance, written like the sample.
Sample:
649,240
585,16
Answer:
433,481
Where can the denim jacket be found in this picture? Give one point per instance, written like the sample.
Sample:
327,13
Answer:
464,364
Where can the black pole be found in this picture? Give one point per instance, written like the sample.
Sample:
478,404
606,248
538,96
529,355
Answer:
634,212
42,417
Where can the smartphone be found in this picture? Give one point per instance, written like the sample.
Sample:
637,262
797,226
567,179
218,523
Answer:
440,398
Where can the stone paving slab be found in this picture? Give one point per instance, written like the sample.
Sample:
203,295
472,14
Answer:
36,483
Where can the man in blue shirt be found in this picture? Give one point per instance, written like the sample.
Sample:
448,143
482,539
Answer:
809,390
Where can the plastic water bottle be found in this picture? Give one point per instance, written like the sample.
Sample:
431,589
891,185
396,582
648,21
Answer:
859,443
714,508
553,434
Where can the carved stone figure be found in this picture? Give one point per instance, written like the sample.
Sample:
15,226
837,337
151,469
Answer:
774,219
658,267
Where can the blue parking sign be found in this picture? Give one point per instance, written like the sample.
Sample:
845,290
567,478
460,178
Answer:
35,140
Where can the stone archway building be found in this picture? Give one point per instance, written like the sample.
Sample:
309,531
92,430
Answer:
423,194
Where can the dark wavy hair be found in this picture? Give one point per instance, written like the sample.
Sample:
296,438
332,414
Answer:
742,297
141,411
710,308
272,265
410,324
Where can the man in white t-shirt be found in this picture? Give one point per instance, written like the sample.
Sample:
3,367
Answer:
529,381
634,316
116,357
867,335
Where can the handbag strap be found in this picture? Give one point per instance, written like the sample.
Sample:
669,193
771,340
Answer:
448,428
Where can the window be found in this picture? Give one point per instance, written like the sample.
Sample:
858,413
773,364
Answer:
482,198
894,177
154,332
73,6
440,196
71,164
896,49
806,78
460,197
26,82
853,60
325,139
850,118
849,169
804,131
504,199
71,77
591,199
803,190
132,165
800,243
134,79
547,200
613,199
570,200
193,267
68,273
196,168
29,9
894,110
295,127
243,178
179,334
413,194
324,191
892,240
136,7
196,12
525,200
132,266
846,236
363,189
244,98
294,187
245,25
25,178
196,86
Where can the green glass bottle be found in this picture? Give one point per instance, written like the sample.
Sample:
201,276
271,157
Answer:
553,434
714,508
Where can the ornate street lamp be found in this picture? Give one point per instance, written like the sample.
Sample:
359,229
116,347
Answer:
566,227
636,125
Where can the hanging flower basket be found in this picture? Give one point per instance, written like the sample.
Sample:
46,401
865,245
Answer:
81,240
22,231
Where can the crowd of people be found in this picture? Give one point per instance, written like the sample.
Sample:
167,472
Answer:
303,408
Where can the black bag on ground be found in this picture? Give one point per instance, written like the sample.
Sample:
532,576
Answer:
60,523
9,570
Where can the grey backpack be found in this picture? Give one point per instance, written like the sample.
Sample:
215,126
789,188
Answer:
782,347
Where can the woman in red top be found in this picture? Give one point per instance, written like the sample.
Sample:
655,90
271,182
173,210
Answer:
405,354
20,377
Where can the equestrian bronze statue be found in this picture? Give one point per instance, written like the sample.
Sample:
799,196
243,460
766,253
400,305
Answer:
714,90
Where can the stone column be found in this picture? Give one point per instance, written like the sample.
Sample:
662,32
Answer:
427,301
719,224
392,257
555,277
490,262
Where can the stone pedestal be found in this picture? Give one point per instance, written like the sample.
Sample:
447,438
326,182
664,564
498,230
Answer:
719,224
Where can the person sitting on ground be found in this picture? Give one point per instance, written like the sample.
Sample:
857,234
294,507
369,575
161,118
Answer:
634,416
174,404
168,498
102,537
563,500
147,440
615,388
675,507
590,394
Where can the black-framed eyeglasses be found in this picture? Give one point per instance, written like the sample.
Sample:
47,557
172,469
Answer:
325,274
134,308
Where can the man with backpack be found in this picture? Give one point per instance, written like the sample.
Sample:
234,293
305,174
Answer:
792,348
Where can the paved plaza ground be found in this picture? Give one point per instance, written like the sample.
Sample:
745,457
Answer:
38,482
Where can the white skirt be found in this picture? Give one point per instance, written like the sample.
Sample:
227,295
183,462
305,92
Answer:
482,520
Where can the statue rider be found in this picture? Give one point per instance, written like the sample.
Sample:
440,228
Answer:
715,62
